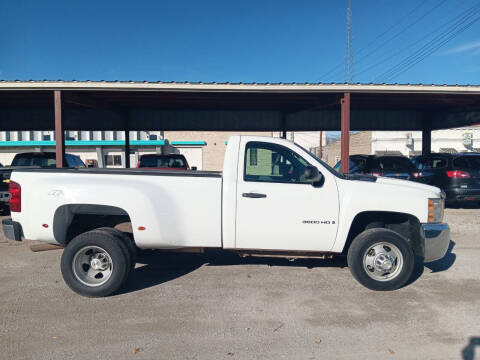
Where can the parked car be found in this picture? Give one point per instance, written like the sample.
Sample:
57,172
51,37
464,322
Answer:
273,199
456,174
32,160
163,162
396,166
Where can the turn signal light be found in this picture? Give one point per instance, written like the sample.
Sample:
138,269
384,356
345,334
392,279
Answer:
458,174
15,191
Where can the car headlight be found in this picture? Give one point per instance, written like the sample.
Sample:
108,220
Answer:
435,210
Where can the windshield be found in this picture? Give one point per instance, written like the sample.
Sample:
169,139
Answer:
328,167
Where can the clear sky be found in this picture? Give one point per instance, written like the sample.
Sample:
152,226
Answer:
238,41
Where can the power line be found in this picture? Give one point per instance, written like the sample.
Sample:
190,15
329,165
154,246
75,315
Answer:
466,27
402,50
451,32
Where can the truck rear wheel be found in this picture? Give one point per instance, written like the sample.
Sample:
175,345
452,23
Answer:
381,259
95,264
128,245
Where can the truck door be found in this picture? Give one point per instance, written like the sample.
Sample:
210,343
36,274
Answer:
277,208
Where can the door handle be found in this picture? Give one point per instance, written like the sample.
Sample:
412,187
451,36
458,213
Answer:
254,195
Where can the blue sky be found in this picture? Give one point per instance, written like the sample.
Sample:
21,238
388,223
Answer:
238,41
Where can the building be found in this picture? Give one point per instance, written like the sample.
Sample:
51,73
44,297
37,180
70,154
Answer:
360,143
409,143
205,150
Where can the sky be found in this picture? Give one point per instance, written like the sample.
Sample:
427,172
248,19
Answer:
240,41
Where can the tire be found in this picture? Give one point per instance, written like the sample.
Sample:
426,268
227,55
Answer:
129,246
95,264
381,259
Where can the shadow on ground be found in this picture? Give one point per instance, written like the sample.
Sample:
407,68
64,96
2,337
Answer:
156,267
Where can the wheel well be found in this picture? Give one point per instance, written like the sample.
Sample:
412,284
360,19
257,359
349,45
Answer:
74,219
406,225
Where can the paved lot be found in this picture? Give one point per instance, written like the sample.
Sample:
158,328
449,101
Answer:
188,307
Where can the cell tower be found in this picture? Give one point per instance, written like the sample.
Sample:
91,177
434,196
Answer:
349,75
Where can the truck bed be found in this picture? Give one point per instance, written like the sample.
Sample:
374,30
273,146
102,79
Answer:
167,209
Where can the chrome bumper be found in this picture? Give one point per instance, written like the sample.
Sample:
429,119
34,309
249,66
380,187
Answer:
437,239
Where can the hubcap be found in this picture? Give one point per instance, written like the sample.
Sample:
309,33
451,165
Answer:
383,261
92,265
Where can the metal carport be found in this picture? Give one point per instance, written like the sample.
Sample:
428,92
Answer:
102,105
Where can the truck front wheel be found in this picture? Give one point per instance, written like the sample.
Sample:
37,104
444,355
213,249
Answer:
381,259
95,264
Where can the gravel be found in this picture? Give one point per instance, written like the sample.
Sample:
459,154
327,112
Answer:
223,307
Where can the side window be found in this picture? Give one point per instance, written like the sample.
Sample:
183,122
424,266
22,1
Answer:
268,162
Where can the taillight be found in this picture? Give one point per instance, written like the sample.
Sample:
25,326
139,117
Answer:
15,191
416,175
376,174
138,164
458,174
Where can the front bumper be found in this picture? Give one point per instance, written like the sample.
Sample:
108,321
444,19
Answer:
437,240
12,229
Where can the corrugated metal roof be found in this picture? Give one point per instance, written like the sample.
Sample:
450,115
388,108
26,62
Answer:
235,86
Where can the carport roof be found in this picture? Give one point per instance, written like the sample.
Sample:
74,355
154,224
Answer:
115,105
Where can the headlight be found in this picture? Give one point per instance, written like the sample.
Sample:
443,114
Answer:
435,210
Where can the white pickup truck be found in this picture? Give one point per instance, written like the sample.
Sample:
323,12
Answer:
273,198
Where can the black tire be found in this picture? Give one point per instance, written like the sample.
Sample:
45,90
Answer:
392,246
105,243
128,244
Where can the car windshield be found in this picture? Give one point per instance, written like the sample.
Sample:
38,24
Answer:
395,164
357,164
162,161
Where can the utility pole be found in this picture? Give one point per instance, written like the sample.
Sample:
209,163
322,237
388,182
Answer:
349,74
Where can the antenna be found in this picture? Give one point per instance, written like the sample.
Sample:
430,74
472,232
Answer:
349,75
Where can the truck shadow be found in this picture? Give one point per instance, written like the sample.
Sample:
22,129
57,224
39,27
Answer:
157,267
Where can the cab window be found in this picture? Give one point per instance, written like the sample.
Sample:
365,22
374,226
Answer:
267,162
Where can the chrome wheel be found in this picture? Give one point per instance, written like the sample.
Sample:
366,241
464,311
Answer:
92,266
383,261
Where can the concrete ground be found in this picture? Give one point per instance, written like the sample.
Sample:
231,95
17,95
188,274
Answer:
189,307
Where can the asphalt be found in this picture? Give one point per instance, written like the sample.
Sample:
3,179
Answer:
223,307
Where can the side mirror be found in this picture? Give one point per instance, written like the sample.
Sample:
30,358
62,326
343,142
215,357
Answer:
312,174
194,168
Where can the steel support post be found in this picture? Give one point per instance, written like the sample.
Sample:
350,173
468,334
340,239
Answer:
59,129
345,136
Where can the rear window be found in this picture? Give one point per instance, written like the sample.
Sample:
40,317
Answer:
430,163
159,161
32,159
393,164
467,162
